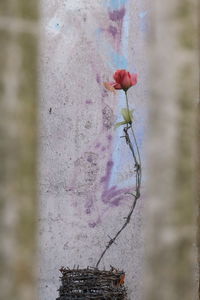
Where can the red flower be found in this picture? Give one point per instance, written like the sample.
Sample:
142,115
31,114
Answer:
123,81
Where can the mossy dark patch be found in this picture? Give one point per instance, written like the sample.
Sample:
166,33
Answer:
5,38
187,38
28,45
19,9
184,9
18,71
184,164
187,33
27,95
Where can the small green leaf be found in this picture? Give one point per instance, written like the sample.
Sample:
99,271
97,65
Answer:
120,124
127,115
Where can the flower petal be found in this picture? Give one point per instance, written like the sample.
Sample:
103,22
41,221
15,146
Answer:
126,81
109,86
117,86
119,75
134,79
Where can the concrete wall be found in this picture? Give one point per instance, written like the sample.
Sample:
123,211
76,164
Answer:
85,168
18,103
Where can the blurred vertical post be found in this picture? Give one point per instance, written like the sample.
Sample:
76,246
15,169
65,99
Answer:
18,101
170,205
198,193
198,161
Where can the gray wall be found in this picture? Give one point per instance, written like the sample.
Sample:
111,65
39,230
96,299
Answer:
85,168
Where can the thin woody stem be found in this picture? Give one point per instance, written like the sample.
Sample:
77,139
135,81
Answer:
138,152
135,141
134,137
138,177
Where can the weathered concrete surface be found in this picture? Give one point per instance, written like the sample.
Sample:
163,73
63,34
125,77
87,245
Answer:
198,191
18,98
171,208
85,168
198,163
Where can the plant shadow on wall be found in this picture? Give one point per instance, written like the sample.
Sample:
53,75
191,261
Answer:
92,283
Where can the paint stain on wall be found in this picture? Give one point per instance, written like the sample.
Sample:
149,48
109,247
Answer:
108,117
114,4
117,15
110,36
88,101
112,195
85,175
112,30
98,193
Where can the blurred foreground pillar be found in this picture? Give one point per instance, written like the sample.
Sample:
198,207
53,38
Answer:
18,97
171,208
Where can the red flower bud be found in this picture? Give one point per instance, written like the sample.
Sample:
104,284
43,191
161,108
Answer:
123,80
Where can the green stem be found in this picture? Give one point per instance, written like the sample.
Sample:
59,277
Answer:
134,137
127,104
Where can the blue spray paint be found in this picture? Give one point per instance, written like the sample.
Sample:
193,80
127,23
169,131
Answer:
143,14
55,24
119,142
118,61
143,21
117,4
